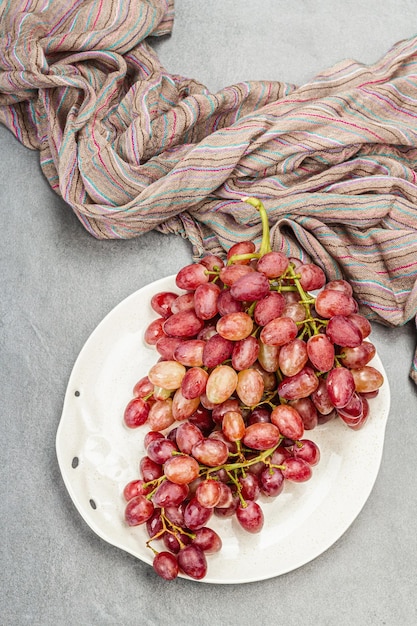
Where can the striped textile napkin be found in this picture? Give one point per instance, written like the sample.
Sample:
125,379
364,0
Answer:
131,147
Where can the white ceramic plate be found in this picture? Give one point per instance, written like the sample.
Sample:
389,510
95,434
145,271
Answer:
98,455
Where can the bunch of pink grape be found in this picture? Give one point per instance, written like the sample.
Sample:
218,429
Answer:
249,360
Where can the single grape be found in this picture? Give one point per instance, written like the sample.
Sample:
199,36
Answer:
320,351
205,301
272,264
343,332
217,350
187,434
367,379
192,561
150,470
208,540
208,493
292,357
135,488
195,515
312,276
297,470
194,383
162,301
165,565
181,469
288,421
250,387
183,407
183,324
307,450
210,452
252,286
330,302
166,347
235,326
271,481
189,352
299,386
226,303
242,247
268,308
261,436
191,276
160,415
268,357
154,331
307,410
221,384
185,302
340,386
160,450
249,486
250,516
167,374
143,388
136,412
169,494
279,331
233,425
357,357
138,510
245,352
231,273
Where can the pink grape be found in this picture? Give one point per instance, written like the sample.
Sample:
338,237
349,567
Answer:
218,412
307,450
221,384
272,264
261,436
208,493
288,421
249,486
268,308
293,357
235,326
268,357
353,409
279,331
191,276
187,434
189,352
195,515
231,273
271,481
269,378
181,469
143,387
245,352
340,386
250,516
160,450
208,540
340,285
299,386
185,302
166,346
154,331
226,303
135,488
149,469
169,494
330,302
295,311
160,415
259,414
166,565
162,301
308,412
183,407
242,247
217,350
210,452
154,525
367,379
205,301
321,399
167,374
194,383
136,412
201,418
297,470
151,436
312,276
357,357
362,323
253,286
250,387
343,332
233,425
320,351
192,561
138,510
212,262
183,324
